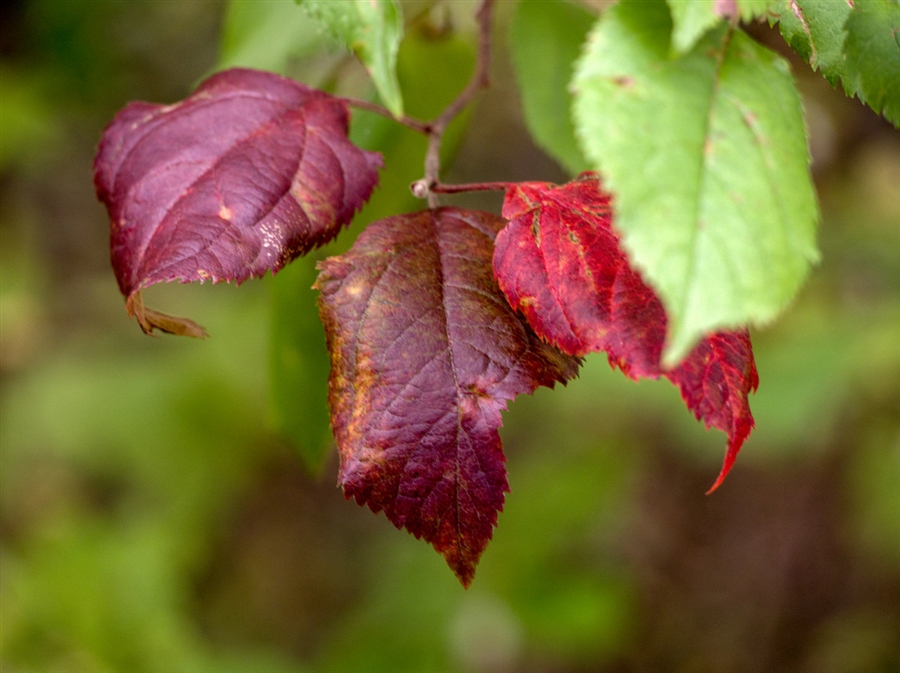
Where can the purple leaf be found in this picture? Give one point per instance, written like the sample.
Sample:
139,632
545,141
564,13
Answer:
247,173
426,353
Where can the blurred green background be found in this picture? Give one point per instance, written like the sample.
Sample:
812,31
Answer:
156,512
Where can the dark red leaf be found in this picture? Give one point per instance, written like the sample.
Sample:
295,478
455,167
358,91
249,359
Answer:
247,173
560,264
425,354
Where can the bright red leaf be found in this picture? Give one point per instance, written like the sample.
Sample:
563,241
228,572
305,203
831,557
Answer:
426,353
560,264
247,173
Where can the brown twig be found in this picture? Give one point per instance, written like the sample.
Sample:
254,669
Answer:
480,80
430,186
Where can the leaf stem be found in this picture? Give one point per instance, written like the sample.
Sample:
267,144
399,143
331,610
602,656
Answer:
441,188
418,126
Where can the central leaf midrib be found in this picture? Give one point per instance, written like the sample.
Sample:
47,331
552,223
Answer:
701,180
435,234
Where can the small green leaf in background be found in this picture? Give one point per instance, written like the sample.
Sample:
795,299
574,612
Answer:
691,20
545,38
266,35
29,128
872,48
372,29
707,157
815,30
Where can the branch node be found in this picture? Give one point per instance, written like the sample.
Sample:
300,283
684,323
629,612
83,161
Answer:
420,189
478,81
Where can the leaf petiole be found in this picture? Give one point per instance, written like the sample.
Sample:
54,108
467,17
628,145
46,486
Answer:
418,126
420,187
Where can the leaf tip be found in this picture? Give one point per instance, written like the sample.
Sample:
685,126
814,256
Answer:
734,446
394,104
719,480
465,575
462,561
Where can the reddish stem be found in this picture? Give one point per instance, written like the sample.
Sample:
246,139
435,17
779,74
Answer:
418,126
441,188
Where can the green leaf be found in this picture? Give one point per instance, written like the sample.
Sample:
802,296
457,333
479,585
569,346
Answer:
873,56
691,20
750,9
372,29
815,30
858,45
266,35
707,157
545,40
